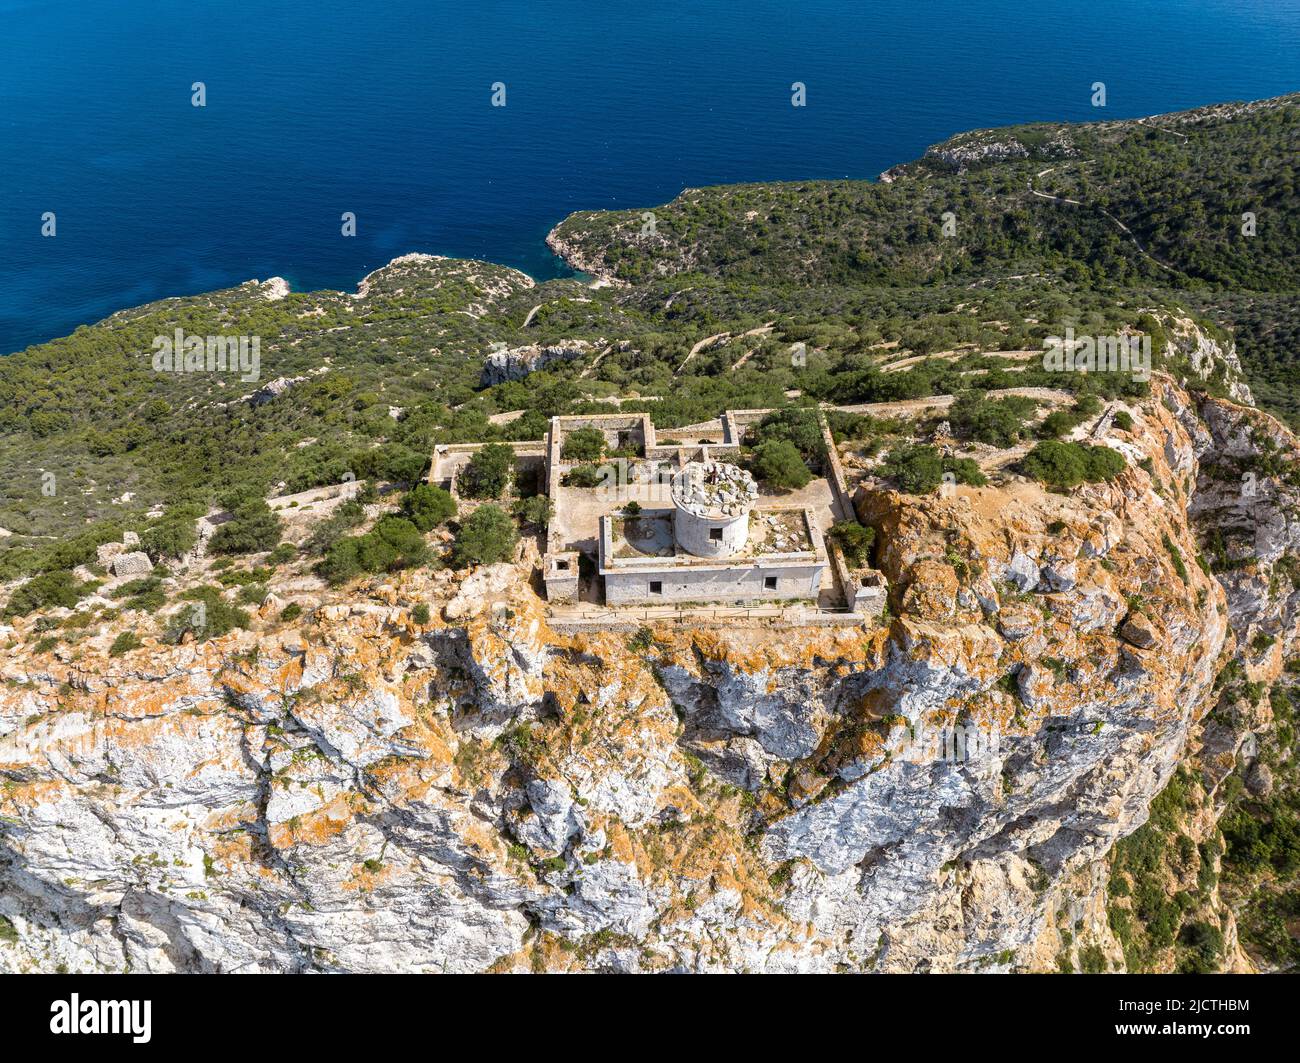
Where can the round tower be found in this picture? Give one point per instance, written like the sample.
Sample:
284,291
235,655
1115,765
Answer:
713,500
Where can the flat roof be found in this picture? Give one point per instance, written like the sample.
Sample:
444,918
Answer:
778,536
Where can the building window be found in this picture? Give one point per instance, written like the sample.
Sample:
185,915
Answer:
656,587
769,583
715,534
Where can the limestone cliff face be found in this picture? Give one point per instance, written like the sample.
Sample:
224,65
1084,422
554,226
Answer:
518,362
361,792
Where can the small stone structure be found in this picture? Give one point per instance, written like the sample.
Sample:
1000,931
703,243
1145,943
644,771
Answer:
121,560
705,549
869,593
561,576
671,574
712,501
136,563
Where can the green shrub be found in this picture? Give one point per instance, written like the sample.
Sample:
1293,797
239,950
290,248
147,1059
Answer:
1087,405
583,444
1056,424
1092,960
1201,949
252,594
1176,556
796,425
282,554
291,612
1065,465
330,530
1123,420
420,613
779,464
124,643
205,615
144,594
254,527
394,543
487,474
584,476
997,422
854,540
427,506
486,537
917,468
536,511
966,470
172,536
46,591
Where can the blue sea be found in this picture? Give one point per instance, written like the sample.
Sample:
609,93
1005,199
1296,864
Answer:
383,108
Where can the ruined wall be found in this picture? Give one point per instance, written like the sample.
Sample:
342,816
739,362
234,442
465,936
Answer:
739,584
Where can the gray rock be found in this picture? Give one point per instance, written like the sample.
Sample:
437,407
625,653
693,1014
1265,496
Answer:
133,564
1022,571
1259,779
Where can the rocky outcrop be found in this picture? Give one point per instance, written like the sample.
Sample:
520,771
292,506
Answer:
273,389
1207,357
516,363
136,563
362,792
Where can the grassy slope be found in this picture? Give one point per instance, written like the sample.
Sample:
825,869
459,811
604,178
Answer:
1180,183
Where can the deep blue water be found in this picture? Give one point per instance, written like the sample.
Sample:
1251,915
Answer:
316,107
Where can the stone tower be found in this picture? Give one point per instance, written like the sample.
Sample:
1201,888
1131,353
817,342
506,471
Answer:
713,500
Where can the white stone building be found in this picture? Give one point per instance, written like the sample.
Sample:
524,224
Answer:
671,519
711,545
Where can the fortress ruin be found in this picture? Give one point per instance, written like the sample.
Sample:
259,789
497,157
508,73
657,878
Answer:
678,522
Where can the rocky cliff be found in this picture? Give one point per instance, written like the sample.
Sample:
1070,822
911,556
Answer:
359,791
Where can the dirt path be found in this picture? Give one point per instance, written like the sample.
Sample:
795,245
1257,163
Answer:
762,330
1101,210
1171,132
910,406
595,362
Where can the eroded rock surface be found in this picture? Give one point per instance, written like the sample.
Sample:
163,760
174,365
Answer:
357,791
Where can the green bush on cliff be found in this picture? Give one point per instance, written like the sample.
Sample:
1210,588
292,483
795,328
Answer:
1065,465
855,540
204,615
394,543
49,590
486,537
916,468
124,643
427,506
254,527
997,422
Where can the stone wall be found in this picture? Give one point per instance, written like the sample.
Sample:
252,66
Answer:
722,584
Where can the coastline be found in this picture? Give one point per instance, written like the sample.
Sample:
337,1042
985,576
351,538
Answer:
957,149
